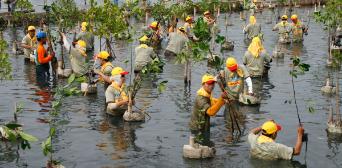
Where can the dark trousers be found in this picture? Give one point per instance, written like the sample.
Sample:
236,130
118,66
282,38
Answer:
43,74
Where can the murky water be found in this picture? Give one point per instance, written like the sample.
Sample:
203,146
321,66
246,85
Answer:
90,138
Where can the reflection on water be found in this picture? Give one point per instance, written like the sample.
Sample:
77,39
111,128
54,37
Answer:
122,136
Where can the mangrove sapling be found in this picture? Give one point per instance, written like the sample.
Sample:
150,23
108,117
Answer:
66,13
227,44
25,15
5,64
334,122
60,93
13,132
195,51
298,68
331,17
109,20
150,70
132,8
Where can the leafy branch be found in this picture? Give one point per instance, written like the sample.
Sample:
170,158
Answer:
69,89
298,68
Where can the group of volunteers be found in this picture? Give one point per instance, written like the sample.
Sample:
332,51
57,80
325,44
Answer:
232,81
233,78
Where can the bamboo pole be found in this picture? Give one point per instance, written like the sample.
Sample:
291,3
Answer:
186,72
337,96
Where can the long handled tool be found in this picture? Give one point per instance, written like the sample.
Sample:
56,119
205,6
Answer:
306,28
305,136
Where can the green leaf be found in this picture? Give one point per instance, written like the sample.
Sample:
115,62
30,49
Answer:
52,131
304,67
220,39
46,146
19,108
11,135
81,79
25,144
27,137
56,104
162,86
71,78
13,125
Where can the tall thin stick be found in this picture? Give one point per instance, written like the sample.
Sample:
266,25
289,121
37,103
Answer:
338,114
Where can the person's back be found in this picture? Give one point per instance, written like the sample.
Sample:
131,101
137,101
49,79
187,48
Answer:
263,145
284,29
269,150
77,61
176,43
88,37
144,55
255,65
253,30
297,32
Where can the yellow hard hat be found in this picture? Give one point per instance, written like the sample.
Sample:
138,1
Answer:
84,24
181,29
30,28
207,78
294,17
144,39
82,43
206,13
231,62
103,55
270,127
119,71
284,17
154,24
188,18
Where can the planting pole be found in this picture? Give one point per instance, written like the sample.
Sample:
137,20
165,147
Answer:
338,114
305,136
329,44
186,72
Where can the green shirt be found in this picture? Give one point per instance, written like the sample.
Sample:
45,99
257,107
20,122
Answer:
77,62
284,29
200,121
177,42
269,150
143,56
253,30
235,82
255,66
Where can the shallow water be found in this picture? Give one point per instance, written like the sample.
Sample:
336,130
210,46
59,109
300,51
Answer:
90,138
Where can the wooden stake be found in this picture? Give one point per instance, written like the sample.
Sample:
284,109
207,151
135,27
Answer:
338,114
